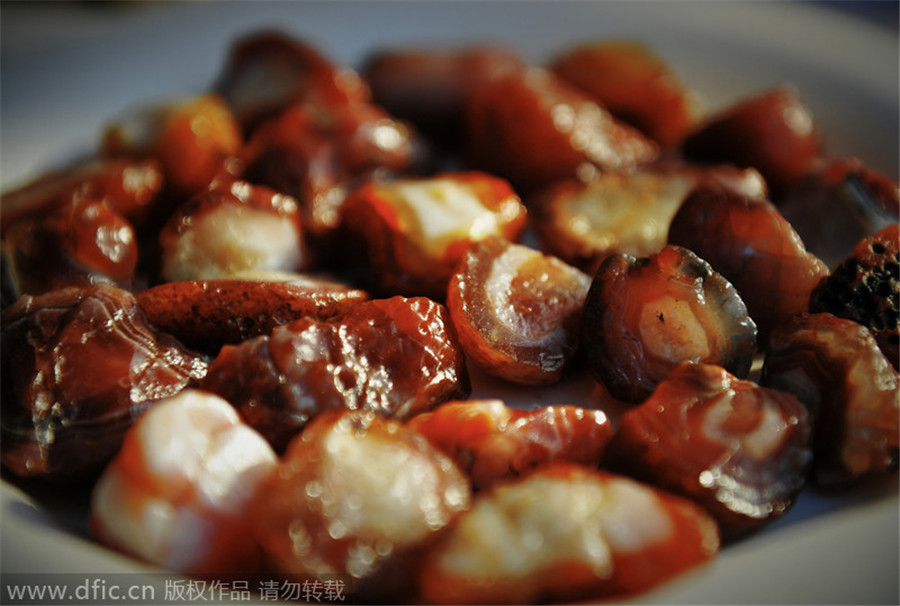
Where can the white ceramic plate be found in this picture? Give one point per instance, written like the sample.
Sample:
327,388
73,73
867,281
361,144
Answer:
67,70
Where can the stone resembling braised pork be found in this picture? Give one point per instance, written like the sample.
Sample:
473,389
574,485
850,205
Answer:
741,451
395,357
566,533
79,366
643,317
835,368
493,442
517,312
359,497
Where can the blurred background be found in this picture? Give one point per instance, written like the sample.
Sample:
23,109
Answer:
57,59
25,24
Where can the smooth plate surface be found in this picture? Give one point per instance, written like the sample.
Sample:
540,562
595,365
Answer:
67,70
